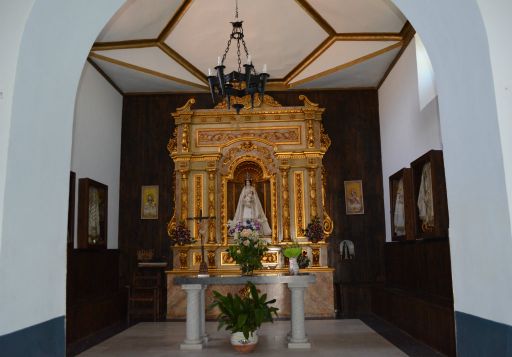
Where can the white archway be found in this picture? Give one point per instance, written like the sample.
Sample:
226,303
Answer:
52,50
456,40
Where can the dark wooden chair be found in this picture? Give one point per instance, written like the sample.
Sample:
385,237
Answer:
144,297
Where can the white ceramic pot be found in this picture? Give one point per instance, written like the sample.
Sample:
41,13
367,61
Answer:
293,266
242,344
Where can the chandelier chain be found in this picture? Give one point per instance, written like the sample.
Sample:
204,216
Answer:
236,9
226,51
238,55
245,46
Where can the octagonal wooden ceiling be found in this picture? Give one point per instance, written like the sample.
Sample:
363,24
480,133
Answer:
168,45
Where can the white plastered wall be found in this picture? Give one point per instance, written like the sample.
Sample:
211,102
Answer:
406,131
480,239
50,56
96,150
496,15
12,22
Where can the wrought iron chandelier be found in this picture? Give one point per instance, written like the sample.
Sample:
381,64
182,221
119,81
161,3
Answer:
237,83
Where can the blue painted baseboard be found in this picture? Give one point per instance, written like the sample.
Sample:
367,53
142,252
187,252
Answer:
45,339
481,337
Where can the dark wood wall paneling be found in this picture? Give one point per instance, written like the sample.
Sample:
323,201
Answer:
417,296
146,128
351,119
95,299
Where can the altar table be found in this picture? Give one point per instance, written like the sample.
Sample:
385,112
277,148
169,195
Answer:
195,286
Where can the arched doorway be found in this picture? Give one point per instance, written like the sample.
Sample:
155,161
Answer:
48,68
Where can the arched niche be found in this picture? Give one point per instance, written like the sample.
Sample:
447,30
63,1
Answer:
249,169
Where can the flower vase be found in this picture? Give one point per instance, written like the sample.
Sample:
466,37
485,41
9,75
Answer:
247,269
243,345
293,266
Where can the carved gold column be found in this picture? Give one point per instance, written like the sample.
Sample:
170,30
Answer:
198,202
286,204
184,196
311,135
185,138
312,192
273,188
299,202
211,207
223,205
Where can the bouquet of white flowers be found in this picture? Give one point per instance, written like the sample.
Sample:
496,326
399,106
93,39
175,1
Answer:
248,248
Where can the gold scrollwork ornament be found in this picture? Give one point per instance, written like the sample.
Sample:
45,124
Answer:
172,145
325,141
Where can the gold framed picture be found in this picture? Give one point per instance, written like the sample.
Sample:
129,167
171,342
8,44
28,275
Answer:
149,202
354,203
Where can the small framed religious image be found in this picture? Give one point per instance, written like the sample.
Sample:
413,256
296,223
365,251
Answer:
354,203
149,202
92,214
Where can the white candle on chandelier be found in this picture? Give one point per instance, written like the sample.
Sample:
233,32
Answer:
219,61
209,71
264,68
249,59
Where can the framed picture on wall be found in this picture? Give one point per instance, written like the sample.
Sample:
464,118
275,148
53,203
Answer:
92,214
149,202
354,202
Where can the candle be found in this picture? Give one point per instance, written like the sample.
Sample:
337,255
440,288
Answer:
249,59
219,61
264,68
209,71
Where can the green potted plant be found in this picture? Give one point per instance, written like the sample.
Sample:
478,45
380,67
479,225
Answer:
243,314
291,252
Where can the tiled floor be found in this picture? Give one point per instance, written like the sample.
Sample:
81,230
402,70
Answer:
345,338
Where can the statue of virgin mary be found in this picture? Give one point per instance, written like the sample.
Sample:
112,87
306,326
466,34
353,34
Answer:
249,207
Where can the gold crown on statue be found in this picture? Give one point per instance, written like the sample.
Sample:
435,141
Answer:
248,178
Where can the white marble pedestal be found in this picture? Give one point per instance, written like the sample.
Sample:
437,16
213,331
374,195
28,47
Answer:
194,286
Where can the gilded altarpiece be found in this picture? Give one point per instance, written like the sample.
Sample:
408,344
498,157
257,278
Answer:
281,149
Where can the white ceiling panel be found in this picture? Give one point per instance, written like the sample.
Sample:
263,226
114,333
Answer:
278,33
130,80
151,58
339,53
362,75
360,15
139,19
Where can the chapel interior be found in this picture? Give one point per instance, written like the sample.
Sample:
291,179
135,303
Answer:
356,84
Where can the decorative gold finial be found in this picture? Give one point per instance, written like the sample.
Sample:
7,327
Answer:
187,106
307,102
